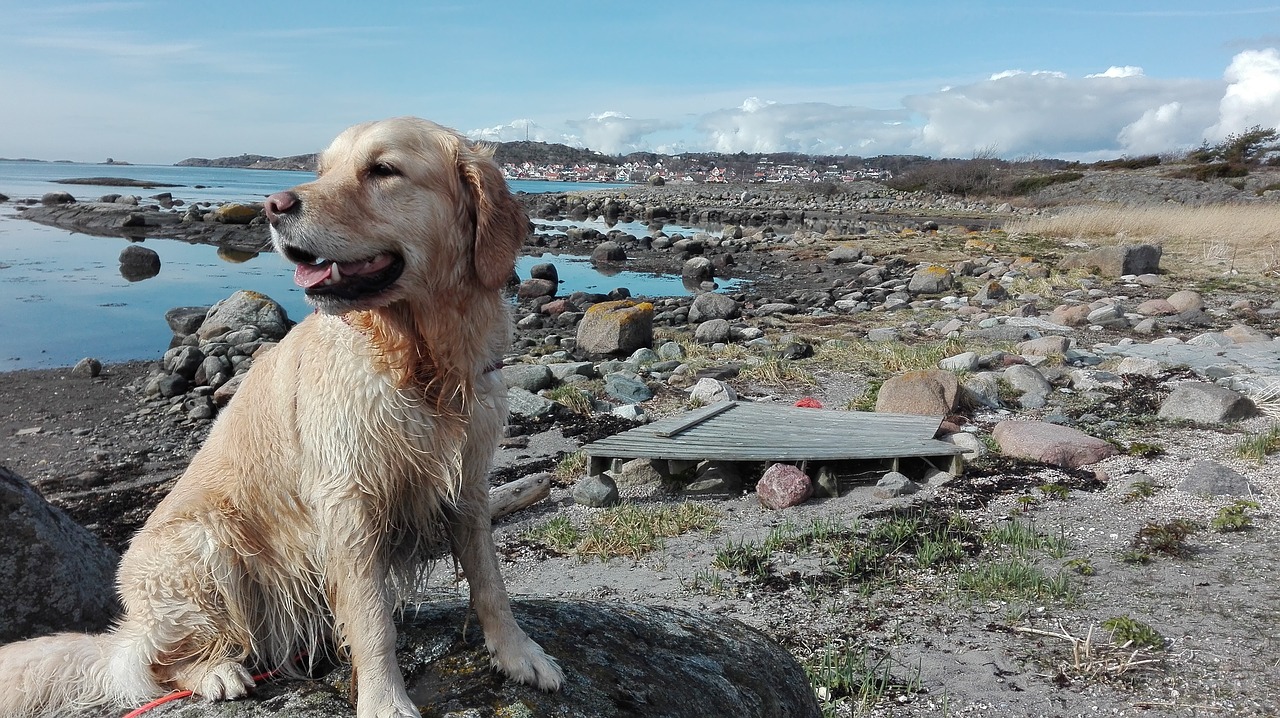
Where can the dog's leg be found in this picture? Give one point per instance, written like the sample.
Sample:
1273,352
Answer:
510,649
362,609
178,586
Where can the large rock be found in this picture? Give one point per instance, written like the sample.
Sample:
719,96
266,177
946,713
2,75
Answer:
1033,389
234,213
608,251
1209,478
54,574
713,331
1050,443
246,309
537,287
1116,260
931,279
612,328
521,402
55,198
618,660
1206,404
185,320
530,377
697,270
710,305
930,392
140,257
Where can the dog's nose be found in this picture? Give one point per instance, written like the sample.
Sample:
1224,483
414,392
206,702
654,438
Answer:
280,203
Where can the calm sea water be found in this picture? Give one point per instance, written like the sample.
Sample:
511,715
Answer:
62,296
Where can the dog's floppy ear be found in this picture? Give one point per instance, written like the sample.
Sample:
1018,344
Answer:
501,223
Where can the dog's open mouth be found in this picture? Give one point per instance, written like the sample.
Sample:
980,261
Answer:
359,279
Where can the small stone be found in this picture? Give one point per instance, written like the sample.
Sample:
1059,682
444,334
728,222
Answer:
87,367
595,491
893,485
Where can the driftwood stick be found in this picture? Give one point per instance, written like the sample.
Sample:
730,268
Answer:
518,494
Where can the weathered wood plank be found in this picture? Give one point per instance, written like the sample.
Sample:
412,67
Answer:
764,432
692,419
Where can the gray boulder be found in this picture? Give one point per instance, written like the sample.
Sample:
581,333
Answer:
712,331
1116,260
246,308
54,574
1209,478
595,491
1033,389
691,665
697,270
1206,404
893,484
530,377
525,403
710,305
608,251
546,271
139,257
53,198
627,387
845,255
185,320
931,279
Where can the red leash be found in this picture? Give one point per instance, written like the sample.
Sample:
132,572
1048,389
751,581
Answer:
186,694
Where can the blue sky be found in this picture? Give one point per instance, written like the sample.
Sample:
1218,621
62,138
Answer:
153,82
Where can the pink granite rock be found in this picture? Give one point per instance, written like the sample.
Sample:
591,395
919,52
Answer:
783,485
1050,443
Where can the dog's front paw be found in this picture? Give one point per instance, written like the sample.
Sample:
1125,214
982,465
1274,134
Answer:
225,681
398,707
525,661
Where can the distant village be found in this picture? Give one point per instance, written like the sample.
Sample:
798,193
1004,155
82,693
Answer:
638,172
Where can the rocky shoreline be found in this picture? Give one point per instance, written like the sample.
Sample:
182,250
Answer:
1096,393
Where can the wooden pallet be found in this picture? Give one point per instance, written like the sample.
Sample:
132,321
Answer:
750,432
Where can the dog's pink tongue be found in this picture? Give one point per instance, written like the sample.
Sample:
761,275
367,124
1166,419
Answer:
309,275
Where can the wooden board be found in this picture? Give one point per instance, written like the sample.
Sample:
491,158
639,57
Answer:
737,431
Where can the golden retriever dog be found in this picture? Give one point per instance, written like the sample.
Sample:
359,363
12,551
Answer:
362,438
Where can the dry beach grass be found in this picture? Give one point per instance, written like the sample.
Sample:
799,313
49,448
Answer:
1244,238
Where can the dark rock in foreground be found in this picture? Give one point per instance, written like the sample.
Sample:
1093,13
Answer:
54,574
618,660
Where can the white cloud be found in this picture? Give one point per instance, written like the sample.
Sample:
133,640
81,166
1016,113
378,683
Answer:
1253,93
1051,114
1159,130
1005,74
1113,71
615,133
513,131
812,127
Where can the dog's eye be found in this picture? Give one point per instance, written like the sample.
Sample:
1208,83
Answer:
382,169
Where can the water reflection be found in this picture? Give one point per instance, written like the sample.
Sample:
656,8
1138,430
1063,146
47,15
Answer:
235,256
139,272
